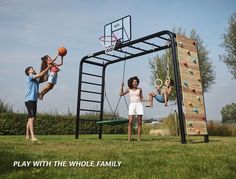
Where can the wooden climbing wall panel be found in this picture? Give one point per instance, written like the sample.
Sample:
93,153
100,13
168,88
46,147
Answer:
193,100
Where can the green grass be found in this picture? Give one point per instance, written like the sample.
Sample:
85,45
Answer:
153,157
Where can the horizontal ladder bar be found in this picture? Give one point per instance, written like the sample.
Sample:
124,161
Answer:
152,44
90,83
138,54
88,100
111,55
123,51
93,92
137,48
101,58
93,63
90,74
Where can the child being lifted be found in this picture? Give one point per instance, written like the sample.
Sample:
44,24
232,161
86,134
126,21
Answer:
52,78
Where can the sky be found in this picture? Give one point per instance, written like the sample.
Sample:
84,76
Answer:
31,29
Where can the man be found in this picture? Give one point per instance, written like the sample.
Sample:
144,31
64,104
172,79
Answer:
31,99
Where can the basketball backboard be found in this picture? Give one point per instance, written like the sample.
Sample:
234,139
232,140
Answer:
120,29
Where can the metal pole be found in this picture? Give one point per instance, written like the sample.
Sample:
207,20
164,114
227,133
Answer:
78,99
206,138
178,88
102,100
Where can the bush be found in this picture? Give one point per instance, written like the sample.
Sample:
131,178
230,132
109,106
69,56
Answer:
221,129
5,107
46,124
169,123
169,126
146,127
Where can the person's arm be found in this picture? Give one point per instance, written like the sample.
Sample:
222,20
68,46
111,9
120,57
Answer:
42,72
141,95
169,90
122,92
158,89
54,59
61,63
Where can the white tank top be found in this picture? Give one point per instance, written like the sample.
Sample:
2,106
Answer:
134,96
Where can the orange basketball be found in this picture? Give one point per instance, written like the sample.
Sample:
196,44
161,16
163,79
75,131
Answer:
62,51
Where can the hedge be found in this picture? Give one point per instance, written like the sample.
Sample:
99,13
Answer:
46,124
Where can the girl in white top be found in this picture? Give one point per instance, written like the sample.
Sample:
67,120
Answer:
135,107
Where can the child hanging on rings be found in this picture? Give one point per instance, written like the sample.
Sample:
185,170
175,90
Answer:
52,78
162,94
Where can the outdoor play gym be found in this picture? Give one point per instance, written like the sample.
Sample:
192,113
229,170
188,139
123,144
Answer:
119,47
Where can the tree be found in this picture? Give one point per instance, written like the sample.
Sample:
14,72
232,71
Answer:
228,113
206,65
229,44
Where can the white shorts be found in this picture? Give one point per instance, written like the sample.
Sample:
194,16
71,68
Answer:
136,109
52,78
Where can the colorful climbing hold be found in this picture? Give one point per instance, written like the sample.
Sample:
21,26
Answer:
190,103
194,60
185,64
180,44
188,52
195,110
194,90
198,98
190,124
190,71
185,83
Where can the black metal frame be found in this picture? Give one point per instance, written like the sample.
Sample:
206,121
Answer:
123,50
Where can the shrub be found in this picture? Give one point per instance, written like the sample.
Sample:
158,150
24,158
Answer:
46,124
170,123
221,129
5,107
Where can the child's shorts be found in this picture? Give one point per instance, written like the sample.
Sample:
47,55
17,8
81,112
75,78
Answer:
52,78
136,109
160,98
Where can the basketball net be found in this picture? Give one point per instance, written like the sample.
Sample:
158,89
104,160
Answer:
109,43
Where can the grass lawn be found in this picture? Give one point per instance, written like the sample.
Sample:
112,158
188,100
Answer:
153,157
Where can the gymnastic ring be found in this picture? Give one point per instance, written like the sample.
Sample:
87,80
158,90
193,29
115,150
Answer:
158,80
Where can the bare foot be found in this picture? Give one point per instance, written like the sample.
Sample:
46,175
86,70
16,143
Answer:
128,140
166,105
139,139
34,140
149,105
27,138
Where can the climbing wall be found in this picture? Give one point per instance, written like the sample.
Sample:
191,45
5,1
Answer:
193,100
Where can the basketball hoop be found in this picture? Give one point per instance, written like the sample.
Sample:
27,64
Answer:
108,42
